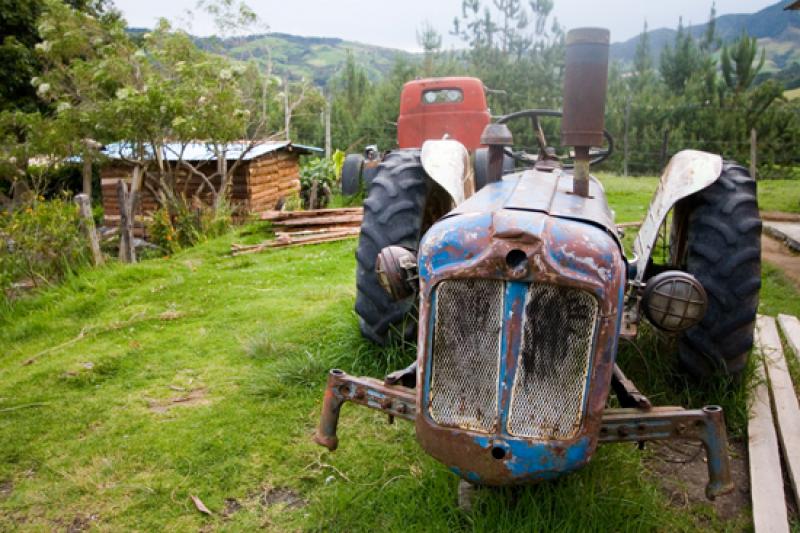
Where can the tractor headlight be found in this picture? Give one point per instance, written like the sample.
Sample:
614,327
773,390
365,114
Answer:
674,301
396,269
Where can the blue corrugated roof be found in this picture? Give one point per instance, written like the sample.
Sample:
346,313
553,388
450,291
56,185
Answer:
199,151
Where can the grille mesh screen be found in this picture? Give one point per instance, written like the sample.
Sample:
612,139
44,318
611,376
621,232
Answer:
466,353
550,384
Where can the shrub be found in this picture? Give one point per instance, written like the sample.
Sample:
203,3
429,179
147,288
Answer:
324,173
182,225
40,243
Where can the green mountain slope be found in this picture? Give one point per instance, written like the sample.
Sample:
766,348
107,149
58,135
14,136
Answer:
312,58
777,31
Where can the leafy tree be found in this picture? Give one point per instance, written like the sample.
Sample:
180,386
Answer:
17,59
19,36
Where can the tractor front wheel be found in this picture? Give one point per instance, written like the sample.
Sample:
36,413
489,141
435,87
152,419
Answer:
716,236
394,213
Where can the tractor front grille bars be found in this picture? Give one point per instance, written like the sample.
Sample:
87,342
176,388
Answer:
466,354
549,385
547,401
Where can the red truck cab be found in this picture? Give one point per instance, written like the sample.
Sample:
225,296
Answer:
435,107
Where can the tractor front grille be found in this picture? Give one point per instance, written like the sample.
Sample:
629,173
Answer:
550,384
466,354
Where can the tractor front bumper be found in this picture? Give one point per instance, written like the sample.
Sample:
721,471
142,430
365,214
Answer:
705,425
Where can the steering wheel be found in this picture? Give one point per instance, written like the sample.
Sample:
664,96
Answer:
546,152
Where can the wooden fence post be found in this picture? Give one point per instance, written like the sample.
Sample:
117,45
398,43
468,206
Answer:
328,128
127,252
87,174
87,223
625,138
753,151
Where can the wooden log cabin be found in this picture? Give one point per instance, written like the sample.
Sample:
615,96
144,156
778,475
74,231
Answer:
267,174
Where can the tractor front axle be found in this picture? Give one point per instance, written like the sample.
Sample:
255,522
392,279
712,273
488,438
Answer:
705,425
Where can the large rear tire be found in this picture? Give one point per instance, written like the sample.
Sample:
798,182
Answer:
394,213
716,236
351,174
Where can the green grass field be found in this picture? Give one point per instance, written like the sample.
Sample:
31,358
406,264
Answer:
129,389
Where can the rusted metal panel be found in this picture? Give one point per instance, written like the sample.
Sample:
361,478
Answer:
446,162
688,172
547,192
462,119
560,252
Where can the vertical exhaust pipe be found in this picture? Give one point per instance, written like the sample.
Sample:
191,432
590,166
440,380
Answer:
585,87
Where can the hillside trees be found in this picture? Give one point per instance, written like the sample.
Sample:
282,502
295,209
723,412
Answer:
698,95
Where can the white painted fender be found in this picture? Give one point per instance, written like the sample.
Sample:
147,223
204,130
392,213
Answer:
447,162
688,172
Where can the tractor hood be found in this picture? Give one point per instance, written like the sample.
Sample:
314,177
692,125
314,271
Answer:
543,192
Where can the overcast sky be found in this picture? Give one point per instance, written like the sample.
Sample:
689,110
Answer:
393,23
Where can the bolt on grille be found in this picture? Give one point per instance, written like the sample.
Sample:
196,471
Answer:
550,384
466,353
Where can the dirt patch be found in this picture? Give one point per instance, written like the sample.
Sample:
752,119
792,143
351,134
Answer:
281,496
680,469
81,523
232,506
6,488
776,253
192,398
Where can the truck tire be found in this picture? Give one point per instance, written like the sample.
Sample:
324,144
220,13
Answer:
720,228
393,216
351,174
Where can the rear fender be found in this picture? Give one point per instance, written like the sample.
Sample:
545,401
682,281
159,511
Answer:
447,163
688,172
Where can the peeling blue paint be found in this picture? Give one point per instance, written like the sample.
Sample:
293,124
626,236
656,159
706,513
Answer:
537,461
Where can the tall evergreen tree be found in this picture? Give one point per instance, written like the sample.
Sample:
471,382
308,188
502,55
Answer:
643,60
739,66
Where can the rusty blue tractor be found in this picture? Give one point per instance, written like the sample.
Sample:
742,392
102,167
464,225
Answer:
523,292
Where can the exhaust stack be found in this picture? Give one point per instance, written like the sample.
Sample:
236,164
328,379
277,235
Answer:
585,86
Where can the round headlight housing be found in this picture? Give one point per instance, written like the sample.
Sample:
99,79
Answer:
674,301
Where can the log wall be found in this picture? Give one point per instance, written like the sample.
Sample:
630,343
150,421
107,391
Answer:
258,185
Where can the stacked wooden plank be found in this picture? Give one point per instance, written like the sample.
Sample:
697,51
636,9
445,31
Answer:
774,418
347,217
295,228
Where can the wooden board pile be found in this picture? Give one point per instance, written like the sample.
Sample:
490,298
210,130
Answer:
295,228
774,425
